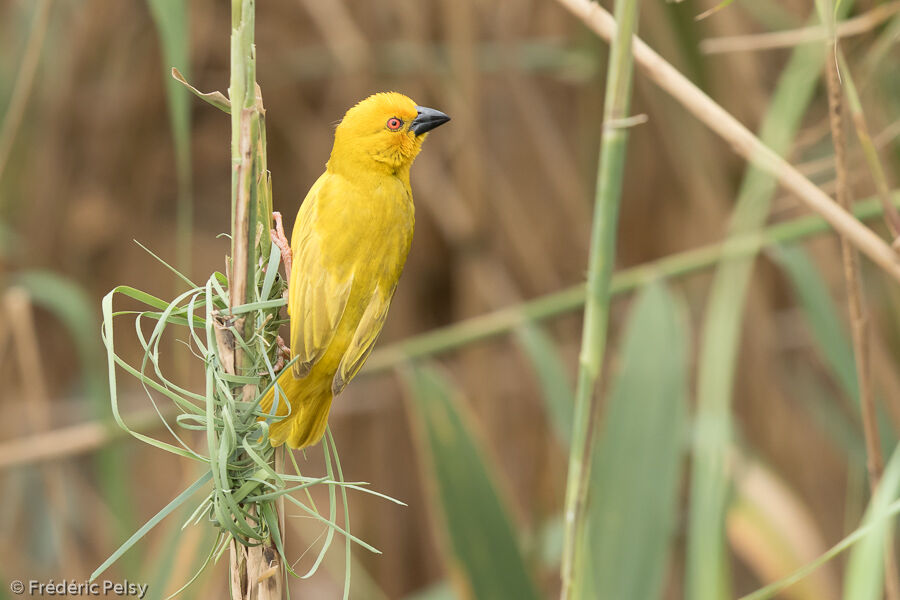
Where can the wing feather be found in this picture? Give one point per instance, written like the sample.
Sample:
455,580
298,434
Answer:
318,292
370,325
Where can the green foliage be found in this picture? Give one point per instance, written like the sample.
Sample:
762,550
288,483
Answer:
826,324
865,569
153,522
598,295
706,573
551,373
238,457
870,535
822,315
638,455
440,591
637,461
479,530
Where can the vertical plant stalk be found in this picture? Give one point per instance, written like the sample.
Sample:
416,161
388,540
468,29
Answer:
255,572
856,305
850,261
19,312
870,151
613,144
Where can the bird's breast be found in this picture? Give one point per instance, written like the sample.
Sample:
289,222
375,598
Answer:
369,224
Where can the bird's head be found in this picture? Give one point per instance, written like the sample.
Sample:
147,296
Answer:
386,130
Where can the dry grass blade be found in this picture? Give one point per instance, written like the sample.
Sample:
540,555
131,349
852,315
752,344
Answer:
870,150
742,139
343,36
19,311
805,35
856,303
70,441
852,278
216,99
711,11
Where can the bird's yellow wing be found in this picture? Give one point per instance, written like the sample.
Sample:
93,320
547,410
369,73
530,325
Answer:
319,289
363,339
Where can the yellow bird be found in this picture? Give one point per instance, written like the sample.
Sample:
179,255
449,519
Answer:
347,251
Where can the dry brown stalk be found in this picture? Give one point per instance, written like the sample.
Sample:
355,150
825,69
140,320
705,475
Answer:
805,35
891,215
870,151
340,32
741,139
850,260
20,314
71,441
824,164
255,570
237,285
857,308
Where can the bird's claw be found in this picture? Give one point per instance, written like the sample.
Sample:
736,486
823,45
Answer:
282,352
280,240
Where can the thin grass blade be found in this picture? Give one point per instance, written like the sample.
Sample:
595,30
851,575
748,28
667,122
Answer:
153,522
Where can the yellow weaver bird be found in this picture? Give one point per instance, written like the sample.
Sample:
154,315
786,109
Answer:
347,251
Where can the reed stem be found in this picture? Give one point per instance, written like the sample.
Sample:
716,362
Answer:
613,145
255,571
856,303
870,150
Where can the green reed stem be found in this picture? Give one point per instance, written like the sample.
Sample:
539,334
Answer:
241,92
251,214
613,145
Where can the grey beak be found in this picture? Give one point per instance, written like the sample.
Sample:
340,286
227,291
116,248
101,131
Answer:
427,119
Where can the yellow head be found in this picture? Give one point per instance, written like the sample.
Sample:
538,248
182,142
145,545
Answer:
384,131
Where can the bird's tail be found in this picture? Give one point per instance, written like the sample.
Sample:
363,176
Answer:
309,405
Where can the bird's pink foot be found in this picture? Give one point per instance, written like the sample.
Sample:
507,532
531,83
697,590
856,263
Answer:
280,240
282,353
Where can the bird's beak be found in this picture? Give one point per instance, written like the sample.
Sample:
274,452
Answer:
427,119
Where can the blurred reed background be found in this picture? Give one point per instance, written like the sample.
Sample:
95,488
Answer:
98,147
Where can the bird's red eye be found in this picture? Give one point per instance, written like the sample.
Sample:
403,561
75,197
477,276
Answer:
394,124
